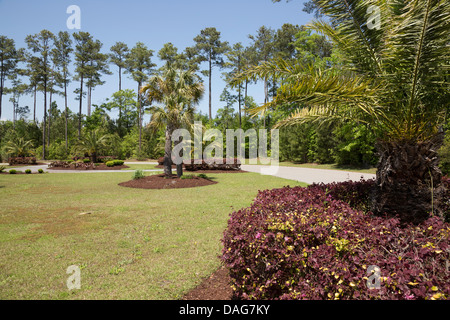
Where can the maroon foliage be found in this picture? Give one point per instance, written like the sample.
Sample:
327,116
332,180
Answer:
309,243
21,160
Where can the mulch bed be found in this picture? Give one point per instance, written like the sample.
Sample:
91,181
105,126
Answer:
215,287
161,182
100,167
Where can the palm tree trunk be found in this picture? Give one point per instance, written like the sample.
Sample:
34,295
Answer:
168,152
408,180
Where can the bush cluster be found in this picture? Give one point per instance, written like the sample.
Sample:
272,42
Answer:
71,165
114,163
309,243
138,174
21,160
234,164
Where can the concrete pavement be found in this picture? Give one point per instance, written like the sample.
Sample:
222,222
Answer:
308,175
293,173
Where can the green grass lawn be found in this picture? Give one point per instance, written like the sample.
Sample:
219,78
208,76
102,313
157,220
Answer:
134,244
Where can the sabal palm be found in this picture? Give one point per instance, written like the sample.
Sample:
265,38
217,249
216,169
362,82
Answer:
91,143
172,96
395,79
18,147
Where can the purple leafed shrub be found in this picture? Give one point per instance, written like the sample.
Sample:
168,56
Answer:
309,243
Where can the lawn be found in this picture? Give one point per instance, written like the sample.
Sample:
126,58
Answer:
128,243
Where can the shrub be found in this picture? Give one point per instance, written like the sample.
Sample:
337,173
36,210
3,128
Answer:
21,160
202,175
138,174
118,162
305,243
41,171
86,160
28,171
2,168
188,176
12,171
110,164
234,164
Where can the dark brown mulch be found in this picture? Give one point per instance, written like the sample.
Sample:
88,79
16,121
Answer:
100,167
215,287
161,182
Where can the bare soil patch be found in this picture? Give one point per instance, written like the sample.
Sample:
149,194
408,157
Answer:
161,182
215,287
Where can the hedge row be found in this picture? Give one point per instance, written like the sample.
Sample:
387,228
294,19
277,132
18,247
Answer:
309,243
21,160
214,164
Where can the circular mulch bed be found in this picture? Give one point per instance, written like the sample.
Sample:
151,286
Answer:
215,287
100,167
161,182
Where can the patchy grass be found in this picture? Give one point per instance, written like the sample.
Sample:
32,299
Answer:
128,243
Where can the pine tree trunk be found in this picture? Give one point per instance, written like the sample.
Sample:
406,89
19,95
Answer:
34,105
210,87
81,105
139,119
66,116
408,180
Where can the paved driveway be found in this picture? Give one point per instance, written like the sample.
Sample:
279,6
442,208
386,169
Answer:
293,173
308,175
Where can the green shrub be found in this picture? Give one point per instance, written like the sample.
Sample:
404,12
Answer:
41,171
2,168
444,154
86,160
202,175
110,164
138,174
188,176
12,171
28,171
118,162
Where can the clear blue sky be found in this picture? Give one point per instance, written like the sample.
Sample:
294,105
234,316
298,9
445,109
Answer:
151,22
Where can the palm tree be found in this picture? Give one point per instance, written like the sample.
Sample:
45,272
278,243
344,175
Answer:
177,92
18,147
394,80
91,143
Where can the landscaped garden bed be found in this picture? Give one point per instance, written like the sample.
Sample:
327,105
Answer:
320,242
161,182
87,165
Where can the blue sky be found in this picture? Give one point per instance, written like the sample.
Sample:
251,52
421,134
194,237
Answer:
151,22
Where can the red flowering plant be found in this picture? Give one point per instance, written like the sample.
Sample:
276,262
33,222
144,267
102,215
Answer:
310,243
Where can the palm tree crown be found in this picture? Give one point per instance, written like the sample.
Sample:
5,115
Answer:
394,78
172,96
